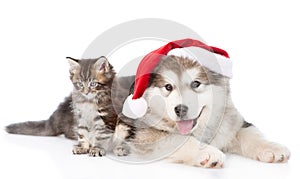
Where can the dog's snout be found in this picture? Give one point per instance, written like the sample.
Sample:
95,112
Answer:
181,110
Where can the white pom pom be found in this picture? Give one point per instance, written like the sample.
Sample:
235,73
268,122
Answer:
134,108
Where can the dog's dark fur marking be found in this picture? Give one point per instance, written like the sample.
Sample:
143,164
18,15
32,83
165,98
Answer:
246,124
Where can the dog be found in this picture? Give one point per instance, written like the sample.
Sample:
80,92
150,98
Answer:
191,119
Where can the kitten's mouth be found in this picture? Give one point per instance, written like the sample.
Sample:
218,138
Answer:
89,95
186,126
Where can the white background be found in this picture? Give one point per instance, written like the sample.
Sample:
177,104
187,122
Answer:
262,38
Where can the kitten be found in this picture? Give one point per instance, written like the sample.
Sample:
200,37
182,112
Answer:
63,120
93,108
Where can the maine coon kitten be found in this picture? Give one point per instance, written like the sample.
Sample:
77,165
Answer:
62,121
93,108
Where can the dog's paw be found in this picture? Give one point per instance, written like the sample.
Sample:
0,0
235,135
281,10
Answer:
121,150
97,152
79,150
274,153
211,157
197,154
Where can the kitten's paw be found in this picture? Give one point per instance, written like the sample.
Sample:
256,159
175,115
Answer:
97,152
211,158
121,150
79,150
274,153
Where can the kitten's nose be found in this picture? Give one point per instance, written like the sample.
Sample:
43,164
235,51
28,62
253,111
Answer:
86,91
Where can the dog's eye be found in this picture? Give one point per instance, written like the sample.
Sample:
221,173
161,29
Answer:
169,87
195,84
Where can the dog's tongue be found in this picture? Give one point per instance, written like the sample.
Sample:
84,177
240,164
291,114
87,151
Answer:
185,126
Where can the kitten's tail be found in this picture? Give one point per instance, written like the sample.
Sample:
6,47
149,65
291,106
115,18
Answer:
60,122
37,128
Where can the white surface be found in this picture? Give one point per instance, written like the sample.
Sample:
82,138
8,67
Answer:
261,37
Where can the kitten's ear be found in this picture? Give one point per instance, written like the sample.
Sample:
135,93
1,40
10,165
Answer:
102,65
74,65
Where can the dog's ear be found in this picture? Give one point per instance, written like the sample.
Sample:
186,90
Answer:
131,89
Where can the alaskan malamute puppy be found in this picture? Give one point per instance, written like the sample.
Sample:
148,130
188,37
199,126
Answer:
191,119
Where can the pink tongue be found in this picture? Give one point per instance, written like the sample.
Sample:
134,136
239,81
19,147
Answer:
185,126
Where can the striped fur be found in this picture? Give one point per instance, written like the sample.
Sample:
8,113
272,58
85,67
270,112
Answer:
93,108
110,93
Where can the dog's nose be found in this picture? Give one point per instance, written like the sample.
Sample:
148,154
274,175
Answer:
181,110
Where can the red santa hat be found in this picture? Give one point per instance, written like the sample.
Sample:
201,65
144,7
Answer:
135,105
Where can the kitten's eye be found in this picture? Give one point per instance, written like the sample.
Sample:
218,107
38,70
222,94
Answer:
169,87
195,84
79,84
93,84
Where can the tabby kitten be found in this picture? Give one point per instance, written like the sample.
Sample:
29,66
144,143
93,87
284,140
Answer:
93,108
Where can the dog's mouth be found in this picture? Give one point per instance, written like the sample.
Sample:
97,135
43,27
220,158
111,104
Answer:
186,126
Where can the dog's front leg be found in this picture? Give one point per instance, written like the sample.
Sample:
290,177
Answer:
250,143
195,153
